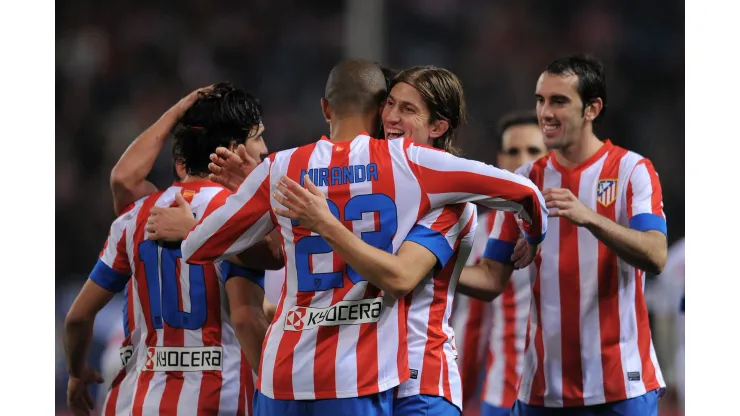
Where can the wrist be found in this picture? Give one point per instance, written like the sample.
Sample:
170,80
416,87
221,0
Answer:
591,221
328,227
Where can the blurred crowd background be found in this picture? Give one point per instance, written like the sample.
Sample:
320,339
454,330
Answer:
121,64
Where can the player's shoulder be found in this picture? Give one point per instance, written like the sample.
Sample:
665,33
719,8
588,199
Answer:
198,194
129,213
534,166
628,158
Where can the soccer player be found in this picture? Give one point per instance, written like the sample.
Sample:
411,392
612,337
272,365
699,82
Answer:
492,334
589,347
328,317
426,104
180,348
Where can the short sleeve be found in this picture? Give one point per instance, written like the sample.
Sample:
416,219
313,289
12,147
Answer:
440,230
229,270
503,237
645,199
113,270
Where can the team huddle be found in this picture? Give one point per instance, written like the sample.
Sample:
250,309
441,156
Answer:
408,269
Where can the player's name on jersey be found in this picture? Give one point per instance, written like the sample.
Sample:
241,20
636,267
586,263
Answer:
346,312
341,175
183,359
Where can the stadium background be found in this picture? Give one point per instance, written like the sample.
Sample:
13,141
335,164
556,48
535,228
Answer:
120,64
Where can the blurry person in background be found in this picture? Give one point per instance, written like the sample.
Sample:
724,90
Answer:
491,335
665,296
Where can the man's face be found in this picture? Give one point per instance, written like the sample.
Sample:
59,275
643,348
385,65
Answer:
559,109
256,147
520,144
406,115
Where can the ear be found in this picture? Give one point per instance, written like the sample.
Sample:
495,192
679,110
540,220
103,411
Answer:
232,146
593,109
499,159
439,128
326,109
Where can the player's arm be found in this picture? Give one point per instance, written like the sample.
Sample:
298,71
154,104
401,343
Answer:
128,177
395,274
245,290
240,222
447,179
110,275
643,244
174,224
488,278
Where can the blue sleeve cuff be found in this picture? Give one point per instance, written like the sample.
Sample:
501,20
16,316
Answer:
648,222
108,278
433,241
535,241
499,250
229,270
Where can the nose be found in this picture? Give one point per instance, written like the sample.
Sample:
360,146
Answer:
391,115
262,147
546,112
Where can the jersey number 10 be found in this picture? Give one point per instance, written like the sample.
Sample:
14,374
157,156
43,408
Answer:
164,302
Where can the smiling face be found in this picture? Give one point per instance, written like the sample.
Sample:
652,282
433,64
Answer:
406,115
559,109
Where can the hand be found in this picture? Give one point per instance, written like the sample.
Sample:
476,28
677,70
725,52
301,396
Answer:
171,224
568,206
229,168
79,400
307,205
187,101
524,253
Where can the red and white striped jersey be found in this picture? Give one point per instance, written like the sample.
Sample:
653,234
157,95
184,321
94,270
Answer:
589,338
431,345
182,356
494,332
333,334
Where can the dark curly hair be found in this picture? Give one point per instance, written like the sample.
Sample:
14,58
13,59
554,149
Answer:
219,117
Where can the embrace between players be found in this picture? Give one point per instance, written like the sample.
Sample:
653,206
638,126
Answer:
374,236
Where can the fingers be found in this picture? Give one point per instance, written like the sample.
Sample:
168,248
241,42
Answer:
291,190
556,204
284,199
88,399
225,153
293,186
311,187
181,202
285,213
216,165
241,151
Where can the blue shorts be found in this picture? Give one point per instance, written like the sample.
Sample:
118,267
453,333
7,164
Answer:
379,404
645,405
424,405
489,410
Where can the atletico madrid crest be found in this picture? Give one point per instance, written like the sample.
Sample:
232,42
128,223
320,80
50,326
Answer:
606,192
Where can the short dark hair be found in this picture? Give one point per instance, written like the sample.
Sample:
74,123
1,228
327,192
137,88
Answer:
354,87
217,118
443,95
515,118
591,78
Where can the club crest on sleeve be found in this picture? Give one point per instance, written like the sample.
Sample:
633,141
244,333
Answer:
606,192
